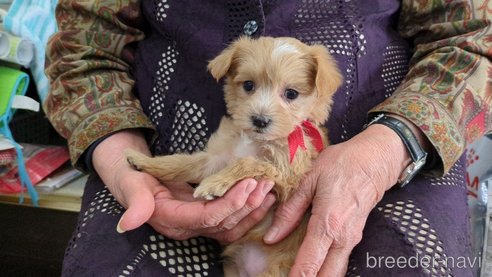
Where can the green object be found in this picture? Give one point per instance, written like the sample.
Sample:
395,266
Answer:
12,82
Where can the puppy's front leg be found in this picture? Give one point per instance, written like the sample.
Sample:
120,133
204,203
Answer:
218,184
178,167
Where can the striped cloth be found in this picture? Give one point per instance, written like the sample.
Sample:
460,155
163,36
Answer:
34,20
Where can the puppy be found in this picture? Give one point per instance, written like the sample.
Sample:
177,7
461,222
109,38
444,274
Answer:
278,93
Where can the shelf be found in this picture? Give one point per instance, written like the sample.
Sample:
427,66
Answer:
67,198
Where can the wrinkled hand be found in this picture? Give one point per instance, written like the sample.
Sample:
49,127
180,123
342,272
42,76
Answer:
170,208
346,183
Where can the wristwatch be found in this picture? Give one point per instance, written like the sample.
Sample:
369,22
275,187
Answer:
418,155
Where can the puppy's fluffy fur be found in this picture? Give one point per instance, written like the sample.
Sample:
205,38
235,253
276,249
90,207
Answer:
271,86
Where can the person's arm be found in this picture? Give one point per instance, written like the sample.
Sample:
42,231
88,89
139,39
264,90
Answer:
447,93
88,64
92,97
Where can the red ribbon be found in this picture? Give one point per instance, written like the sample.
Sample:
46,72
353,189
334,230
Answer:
296,138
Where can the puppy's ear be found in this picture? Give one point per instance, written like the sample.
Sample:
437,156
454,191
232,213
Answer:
221,64
328,78
327,81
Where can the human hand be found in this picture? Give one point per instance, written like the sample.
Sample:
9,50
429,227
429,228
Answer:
178,215
170,208
345,184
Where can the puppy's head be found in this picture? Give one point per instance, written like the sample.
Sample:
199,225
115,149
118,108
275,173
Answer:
273,84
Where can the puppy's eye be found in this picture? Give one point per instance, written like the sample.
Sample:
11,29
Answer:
291,94
248,86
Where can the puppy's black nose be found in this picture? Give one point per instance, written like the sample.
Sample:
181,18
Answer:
260,121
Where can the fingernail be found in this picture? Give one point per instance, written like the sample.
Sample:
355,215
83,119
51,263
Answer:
251,186
269,201
271,234
118,227
268,186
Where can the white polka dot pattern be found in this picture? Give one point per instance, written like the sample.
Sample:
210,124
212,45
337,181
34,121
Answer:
162,7
189,128
127,271
185,258
453,178
103,202
418,232
194,257
395,67
331,26
161,86
349,90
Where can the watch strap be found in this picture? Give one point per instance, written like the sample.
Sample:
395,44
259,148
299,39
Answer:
413,146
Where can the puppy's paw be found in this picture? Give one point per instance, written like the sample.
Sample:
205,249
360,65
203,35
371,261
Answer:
213,187
134,158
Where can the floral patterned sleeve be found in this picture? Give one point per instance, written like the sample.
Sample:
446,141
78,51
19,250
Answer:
88,64
448,90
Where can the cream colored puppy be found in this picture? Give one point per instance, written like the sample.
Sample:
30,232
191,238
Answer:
278,93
